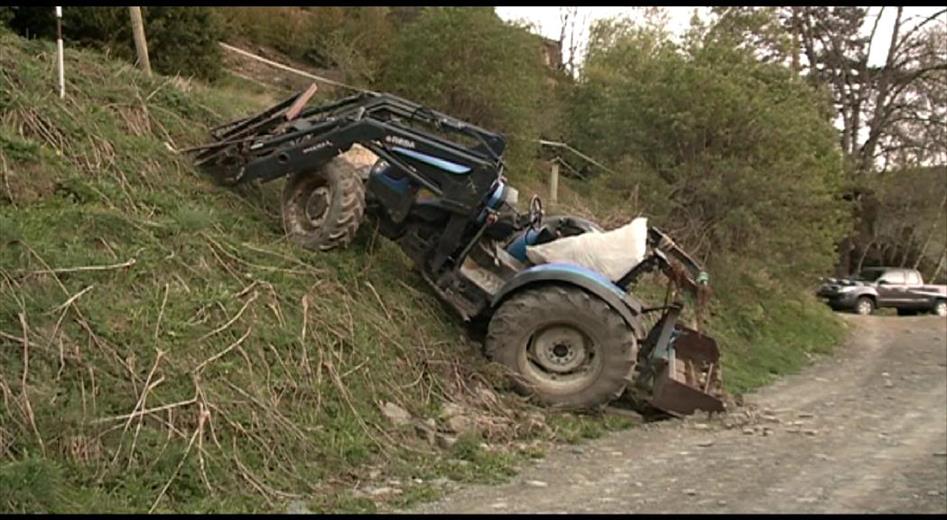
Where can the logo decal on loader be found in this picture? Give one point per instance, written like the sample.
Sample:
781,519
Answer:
317,146
400,141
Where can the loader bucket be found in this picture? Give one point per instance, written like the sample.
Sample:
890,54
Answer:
689,379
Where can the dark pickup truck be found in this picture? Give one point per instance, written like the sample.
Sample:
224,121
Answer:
876,287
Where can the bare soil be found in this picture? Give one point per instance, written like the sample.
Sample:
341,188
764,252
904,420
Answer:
862,431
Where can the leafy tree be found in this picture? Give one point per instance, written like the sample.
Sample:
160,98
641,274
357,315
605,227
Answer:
892,115
181,40
731,150
469,63
351,40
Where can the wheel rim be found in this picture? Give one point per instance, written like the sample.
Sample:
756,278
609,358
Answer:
317,205
561,356
864,307
941,309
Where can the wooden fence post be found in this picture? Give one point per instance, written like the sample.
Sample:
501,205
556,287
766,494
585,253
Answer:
59,50
554,182
141,45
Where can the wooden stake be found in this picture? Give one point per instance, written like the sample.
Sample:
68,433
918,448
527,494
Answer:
141,45
59,57
554,182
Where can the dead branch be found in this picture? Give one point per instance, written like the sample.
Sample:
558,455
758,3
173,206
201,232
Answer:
220,354
197,431
146,412
129,263
71,300
164,301
380,303
141,403
232,320
23,388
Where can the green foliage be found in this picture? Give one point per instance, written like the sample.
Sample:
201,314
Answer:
181,40
469,63
30,485
292,408
730,152
765,327
352,40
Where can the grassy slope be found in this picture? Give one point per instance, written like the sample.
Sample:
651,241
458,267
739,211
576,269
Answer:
128,282
279,355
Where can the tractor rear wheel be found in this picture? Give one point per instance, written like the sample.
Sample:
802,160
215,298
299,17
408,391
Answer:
565,347
322,209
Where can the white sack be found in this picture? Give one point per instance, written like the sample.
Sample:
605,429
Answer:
612,253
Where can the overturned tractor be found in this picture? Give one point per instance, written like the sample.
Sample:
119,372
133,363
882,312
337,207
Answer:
570,332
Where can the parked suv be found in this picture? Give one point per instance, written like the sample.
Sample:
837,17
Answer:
876,287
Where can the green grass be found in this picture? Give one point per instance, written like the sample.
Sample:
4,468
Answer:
766,330
269,360
163,346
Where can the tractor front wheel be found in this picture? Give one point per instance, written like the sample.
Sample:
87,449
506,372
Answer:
322,209
565,347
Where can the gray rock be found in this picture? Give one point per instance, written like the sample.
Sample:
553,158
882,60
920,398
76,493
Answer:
426,430
445,441
396,414
384,490
298,507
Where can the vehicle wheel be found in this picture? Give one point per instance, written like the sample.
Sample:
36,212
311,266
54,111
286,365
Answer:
565,347
907,312
940,308
322,209
864,306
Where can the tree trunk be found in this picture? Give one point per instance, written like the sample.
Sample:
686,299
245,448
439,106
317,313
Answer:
930,235
940,265
141,45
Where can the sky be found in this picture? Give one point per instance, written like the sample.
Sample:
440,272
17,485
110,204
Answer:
546,20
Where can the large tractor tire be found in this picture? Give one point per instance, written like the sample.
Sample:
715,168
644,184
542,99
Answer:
565,347
322,209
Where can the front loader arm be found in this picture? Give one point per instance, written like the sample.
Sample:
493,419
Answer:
276,143
669,258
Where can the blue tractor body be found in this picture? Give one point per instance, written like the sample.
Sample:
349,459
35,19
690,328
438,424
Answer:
435,187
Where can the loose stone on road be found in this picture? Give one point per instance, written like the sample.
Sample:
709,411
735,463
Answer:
863,431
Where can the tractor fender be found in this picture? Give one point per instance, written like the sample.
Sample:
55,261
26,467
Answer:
625,304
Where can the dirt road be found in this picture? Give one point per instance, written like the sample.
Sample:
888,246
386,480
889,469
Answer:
863,431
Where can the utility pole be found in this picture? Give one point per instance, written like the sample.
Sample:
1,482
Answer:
59,50
141,46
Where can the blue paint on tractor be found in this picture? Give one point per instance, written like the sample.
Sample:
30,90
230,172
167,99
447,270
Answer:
562,268
434,161
517,248
400,185
496,196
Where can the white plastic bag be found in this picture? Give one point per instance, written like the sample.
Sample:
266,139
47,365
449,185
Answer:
611,253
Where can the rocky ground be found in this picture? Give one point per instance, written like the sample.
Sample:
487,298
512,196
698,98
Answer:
863,431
